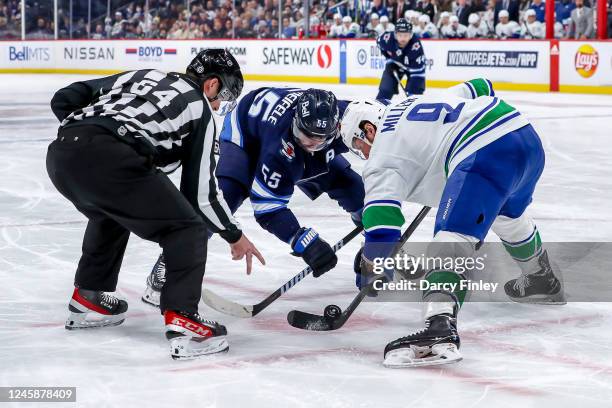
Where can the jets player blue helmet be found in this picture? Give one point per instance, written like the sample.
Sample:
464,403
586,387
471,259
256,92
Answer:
316,120
403,26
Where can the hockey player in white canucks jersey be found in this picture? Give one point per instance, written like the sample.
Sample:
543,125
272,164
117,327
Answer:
478,160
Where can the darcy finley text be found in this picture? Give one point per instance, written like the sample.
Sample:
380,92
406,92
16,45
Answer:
423,285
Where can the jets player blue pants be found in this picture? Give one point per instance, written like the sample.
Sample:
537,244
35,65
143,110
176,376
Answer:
236,172
498,179
415,85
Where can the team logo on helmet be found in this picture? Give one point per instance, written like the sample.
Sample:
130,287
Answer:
287,150
586,61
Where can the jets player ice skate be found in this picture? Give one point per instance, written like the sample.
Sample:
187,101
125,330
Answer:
275,140
478,160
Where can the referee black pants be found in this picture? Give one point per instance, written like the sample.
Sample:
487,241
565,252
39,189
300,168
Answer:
120,191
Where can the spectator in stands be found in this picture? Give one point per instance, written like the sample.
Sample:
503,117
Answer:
476,28
540,9
274,27
488,18
426,7
454,30
463,12
507,28
118,30
425,28
336,29
288,29
42,32
99,34
154,30
532,28
581,24
511,6
108,27
443,22
218,31
373,26
385,25
379,8
563,11
349,29
395,9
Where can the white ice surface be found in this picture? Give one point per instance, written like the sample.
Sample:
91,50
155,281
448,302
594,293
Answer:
514,355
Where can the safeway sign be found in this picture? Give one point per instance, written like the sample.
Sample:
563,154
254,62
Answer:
303,58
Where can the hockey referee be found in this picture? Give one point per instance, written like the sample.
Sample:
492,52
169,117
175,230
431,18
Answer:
118,137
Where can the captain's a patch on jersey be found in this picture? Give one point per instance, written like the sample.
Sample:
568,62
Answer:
288,150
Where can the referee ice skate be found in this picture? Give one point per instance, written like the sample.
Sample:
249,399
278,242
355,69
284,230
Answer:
118,135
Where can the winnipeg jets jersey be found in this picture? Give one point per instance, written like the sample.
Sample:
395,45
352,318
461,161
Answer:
420,141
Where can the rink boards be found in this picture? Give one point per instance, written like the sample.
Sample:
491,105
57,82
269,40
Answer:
566,66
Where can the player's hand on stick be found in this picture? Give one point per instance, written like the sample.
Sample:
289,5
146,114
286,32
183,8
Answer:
315,251
243,247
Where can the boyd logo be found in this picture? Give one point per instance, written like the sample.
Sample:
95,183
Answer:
29,54
150,53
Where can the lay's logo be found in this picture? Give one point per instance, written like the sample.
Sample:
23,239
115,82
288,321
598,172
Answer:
586,61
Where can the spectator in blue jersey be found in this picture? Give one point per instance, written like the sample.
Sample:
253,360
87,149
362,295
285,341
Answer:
563,10
539,6
379,8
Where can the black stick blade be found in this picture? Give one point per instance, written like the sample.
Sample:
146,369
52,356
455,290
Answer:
309,321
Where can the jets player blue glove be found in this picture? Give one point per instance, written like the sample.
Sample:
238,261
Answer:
315,251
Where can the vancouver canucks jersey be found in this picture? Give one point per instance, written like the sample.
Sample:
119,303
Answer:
421,140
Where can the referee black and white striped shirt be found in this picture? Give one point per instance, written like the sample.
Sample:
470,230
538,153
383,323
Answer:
165,116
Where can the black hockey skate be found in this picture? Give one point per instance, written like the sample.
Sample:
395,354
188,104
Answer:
155,282
90,309
541,287
190,336
438,343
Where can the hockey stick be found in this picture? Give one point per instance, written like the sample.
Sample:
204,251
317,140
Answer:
397,78
333,318
223,305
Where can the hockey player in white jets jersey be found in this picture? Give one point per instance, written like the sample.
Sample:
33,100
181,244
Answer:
478,160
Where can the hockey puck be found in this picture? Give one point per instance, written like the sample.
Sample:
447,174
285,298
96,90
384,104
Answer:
332,311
